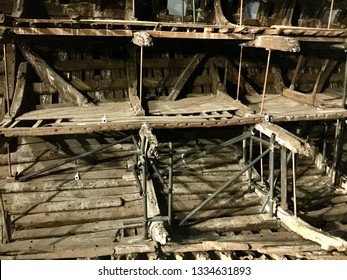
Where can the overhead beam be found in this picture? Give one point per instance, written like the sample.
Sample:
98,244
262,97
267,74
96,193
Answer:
183,78
278,43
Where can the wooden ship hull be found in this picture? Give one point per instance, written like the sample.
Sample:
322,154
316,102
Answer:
173,129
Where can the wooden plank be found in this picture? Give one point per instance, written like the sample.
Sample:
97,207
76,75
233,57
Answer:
327,242
250,222
89,64
279,43
285,138
185,75
190,105
47,74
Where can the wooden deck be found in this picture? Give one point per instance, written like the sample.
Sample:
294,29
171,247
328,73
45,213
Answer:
200,111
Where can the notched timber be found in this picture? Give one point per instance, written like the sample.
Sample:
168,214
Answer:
285,138
47,74
278,43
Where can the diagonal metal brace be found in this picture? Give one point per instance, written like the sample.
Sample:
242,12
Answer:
226,185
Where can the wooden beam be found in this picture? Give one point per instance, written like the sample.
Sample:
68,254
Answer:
47,74
183,78
301,97
327,242
278,43
285,138
278,83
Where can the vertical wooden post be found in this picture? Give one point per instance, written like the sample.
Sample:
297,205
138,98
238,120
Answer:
284,185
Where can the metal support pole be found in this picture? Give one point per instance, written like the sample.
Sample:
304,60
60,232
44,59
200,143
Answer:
241,12
271,171
7,89
284,185
9,161
261,161
244,151
294,184
170,184
338,149
324,152
226,73
296,72
194,20
141,73
226,185
4,221
182,11
265,82
250,160
331,13
144,194
239,74
345,85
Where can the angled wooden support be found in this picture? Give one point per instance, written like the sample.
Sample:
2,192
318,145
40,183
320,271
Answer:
278,79
183,78
47,74
18,8
217,85
296,72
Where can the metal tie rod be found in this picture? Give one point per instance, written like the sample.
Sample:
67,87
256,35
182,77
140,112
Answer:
208,151
29,176
226,185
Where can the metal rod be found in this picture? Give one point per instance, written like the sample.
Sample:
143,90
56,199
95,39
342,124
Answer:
284,185
4,221
241,12
9,161
265,82
324,152
271,171
345,85
331,13
244,152
338,150
144,194
226,185
250,160
170,184
7,88
29,176
239,74
296,72
138,183
294,184
161,179
261,162
141,73
210,151
226,73
194,11
182,10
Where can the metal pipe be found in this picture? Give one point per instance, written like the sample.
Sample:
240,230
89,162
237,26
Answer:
244,146
296,72
284,185
239,74
345,85
209,151
265,82
338,149
9,161
29,176
138,183
7,89
324,152
4,221
294,185
182,11
226,185
331,13
144,194
141,73
271,171
226,73
194,20
170,184
261,162
250,160
241,12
